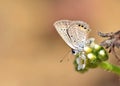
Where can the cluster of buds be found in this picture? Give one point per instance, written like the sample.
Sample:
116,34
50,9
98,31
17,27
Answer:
90,57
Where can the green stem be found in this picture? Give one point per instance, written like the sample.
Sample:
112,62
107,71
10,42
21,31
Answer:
110,67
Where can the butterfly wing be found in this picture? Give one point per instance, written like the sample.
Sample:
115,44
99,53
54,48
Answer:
62,27
78,32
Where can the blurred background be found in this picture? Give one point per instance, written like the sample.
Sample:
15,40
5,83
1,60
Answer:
30,48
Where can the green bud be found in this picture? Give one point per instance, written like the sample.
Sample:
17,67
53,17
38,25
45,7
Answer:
97,47
92,58
102,55
87,49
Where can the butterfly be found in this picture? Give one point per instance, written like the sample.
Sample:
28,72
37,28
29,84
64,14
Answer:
75,34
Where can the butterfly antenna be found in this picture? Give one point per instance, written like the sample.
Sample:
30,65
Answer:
64,56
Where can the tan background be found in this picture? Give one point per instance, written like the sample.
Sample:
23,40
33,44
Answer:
30,48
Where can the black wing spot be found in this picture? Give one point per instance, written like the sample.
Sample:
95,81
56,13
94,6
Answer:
82,26
79,25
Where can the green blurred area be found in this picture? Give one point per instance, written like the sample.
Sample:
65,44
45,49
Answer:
30,47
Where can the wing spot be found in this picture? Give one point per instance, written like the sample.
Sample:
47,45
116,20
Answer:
74,41
79,25
82,26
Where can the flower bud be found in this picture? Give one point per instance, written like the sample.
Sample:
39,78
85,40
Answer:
102,55
92,58
87,49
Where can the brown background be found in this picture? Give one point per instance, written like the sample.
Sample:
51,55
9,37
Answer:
30,48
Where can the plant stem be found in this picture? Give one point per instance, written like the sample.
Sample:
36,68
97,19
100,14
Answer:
110,67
